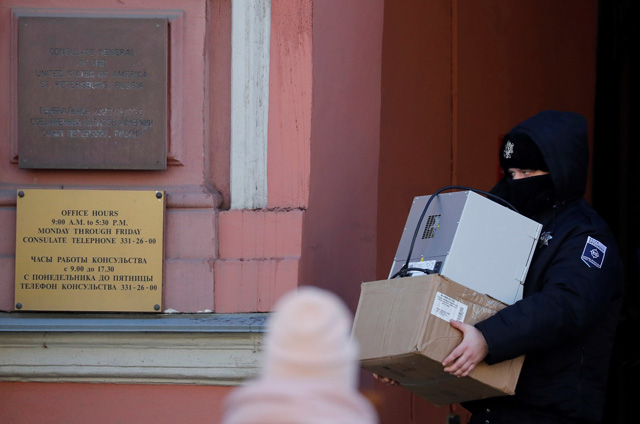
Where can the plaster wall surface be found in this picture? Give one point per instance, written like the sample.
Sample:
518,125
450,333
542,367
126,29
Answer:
77,403
339,231
190,223
197,179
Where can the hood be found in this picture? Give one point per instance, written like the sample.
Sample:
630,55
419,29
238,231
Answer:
562,139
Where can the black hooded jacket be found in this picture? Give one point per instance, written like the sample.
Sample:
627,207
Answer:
565,324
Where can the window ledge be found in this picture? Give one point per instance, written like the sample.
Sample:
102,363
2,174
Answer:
160,323
208,349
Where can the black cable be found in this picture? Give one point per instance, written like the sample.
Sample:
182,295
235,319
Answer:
405,268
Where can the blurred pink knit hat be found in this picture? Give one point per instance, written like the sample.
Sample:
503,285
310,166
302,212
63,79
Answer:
309,373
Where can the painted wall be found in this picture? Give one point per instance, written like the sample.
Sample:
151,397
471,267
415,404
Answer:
456,76
190,226
217,259
256,259
260,250
370,103
55,403
339,233
221,258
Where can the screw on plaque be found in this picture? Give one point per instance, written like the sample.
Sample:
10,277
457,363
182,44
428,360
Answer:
20,193
158,195
18,305
156,307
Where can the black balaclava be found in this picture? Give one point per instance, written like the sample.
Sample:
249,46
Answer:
530,195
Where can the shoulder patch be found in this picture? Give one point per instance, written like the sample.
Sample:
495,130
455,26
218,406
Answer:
593,253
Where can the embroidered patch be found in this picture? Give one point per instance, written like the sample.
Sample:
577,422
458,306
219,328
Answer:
593,253
508,150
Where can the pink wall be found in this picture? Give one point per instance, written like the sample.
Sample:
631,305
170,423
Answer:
339,236
259,251
290,93
252,255
371,103
190,225
236,256
218,90
56,403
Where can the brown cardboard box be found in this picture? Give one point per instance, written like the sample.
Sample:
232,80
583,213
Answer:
402,327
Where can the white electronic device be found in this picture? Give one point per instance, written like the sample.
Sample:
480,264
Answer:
471,240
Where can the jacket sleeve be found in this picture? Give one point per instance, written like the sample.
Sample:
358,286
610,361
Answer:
575,292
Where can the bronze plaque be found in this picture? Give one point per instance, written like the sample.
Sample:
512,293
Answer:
92,93
89,250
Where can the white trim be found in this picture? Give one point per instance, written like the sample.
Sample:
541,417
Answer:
250,34
149,358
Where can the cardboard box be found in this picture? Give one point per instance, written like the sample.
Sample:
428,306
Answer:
402,327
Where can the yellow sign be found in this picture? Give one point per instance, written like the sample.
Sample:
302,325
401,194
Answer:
89,250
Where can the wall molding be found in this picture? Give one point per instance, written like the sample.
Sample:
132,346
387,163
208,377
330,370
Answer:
197,349
250,43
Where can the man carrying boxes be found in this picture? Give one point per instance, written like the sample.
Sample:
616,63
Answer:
566,321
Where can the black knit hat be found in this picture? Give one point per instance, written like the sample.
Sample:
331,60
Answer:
519,151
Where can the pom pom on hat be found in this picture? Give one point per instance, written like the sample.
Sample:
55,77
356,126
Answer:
519,151
309,370
309,336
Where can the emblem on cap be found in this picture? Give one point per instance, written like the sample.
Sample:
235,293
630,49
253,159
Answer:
508,150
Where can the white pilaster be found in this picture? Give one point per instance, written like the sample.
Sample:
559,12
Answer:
250,34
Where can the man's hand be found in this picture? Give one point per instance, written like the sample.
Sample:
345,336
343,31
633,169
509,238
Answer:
471,350
385,380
